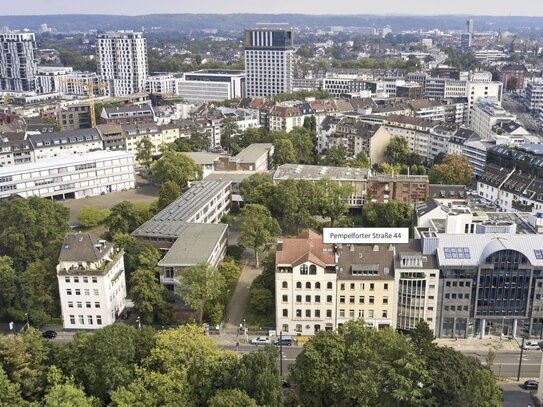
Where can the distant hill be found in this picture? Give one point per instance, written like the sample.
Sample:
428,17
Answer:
237,22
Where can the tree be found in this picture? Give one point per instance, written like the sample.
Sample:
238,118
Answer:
176,167
283,152
231,398
332,365
397,151
144,153
304,142
146,292
261,299
89,216
336,156
422,338
201,286
8,282
361,161
123,218
257,189
10,394
199,140
258,376
333,199
310,123
168,193
230,129
257,228
390,169
481,390
454,170
389,214
31,229
62,392
136,253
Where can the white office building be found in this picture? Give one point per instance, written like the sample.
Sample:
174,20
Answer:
211,85
91,281
534,94
269,52
485,114
122,61
18,63
161,84
74,176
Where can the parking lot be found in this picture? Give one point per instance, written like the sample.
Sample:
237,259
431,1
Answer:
145,193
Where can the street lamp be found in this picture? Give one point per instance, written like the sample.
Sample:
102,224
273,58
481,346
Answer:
27,321
139,322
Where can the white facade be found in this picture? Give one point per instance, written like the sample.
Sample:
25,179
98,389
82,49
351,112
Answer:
66,143
75,176
534,94
122,61
51,78
211,85
18,63
485,114
160,84
92,293
269,61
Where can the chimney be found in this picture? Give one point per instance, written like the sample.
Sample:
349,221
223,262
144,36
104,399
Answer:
375,248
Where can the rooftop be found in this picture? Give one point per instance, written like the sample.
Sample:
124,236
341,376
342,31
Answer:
84,247
195,244
316,172
360,262
253,152
308,246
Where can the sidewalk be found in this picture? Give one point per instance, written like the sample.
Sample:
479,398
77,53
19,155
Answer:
477,344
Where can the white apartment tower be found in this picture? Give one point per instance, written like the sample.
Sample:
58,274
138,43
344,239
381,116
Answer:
18,63
91,281
269,52
122,61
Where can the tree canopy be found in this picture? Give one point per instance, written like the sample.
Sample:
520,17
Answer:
176,167
257,228
453,170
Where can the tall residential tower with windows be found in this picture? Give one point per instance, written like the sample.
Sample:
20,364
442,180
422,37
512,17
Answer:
122,61
18,64
269,51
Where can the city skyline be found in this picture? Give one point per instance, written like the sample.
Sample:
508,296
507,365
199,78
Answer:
345,7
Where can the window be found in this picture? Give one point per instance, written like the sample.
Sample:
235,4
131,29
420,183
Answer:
298,313
67,279
313,269
70,304
342,299
285,328
446,307
385,300
168,272
81,320
68,291
308,285
351,299
370,313
72,319
96,304
352,286
303,269
328,298
372,286
285,312
317,299
308,313
342,287
328,313
285,284
385,286
95,279
317,286
361,299
351,313
89,319
79,304
342,313
298,285
447,295
360,313
307,298
299,328
372,300
456,253
385,313
77,291
85,279
329,286
87,291
76,279
95,291
298,298
88,304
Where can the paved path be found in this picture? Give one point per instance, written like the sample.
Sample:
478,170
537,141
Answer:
515,396
240,299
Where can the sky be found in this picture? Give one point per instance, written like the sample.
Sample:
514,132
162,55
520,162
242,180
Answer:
139,7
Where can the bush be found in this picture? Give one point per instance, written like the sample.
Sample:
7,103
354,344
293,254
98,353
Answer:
90,217
228,218
235,251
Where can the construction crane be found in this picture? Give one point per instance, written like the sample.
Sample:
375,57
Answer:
90,86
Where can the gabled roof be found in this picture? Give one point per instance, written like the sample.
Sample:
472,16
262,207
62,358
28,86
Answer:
82,247
306,247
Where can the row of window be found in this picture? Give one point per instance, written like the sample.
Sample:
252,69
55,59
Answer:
90,320
316,313
329,285
79,304
458,283
456,308
362,286
361,299
86,291
371,313
459,296
76,279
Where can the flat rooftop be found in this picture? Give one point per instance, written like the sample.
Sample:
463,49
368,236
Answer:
252,153
316,172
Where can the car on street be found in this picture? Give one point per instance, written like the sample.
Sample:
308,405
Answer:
531,384
261,340
531,346
285,340
49,334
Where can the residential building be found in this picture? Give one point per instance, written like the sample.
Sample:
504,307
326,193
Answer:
15,148
415,130
72,176
429,109
122,61
409,90
128,114
50,79
404,188
285,118
534,94
65,143
305,285
75,117
512,76
18,63
211,85
91,281
162,84
365,285
269,52
255,157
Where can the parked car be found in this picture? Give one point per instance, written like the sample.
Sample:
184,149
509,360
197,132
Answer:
531,384
261,340
125,314
49,334
285,340
531,346
285,383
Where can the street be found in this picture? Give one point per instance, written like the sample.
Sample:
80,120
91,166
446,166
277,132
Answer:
525,118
